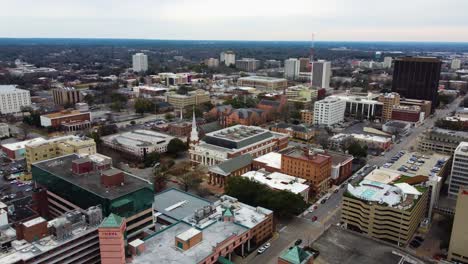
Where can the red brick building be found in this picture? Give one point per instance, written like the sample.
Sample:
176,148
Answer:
73,120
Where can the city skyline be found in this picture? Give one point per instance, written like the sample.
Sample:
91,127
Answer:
336,20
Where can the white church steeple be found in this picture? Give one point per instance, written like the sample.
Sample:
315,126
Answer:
194,133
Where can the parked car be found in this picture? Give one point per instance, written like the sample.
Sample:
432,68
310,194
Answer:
261,250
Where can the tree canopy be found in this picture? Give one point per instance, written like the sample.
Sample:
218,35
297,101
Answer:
176,146
143,105
283,203
357,150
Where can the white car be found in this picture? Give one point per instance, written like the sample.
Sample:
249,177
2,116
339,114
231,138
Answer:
267,245
261,250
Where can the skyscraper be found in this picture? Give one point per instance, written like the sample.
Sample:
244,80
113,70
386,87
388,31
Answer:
417,78
291,68
459,176
387,62
458,251
321,74
140,62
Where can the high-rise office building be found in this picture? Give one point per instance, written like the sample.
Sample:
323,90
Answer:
228,57
247,64
459,176
456,64
140,62
291,68
13,99
387,62
458,249
66,96
417,78
321,74
329,111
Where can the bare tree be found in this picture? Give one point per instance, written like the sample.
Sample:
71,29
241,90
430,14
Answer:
187,176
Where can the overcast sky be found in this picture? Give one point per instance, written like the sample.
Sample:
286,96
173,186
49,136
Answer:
355,20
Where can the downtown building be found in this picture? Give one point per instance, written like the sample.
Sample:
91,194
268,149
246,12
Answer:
12,99
234,141
321,74
140,62
263,82
75,182
459,176
384,207
458,250
248,64
417,78
203,232
440,140
66,96
329,111
71,237
291,68
67,120
228,58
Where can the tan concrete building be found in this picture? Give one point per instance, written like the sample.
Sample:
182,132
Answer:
181,101
263,82
458,249
56,147
66,96
385,208
389,100
307,116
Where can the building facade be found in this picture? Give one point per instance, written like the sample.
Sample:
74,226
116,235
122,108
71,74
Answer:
291,68
458,251
459,176
182,101
440,140
328,112
70,120
321,74
139,62
12,99
228,57
417,78
388,100
247,64
263,82
234,141
66,96
56,147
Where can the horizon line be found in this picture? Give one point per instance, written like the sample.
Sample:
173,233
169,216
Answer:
232,40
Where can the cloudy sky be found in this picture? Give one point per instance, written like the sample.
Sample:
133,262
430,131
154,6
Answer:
354,20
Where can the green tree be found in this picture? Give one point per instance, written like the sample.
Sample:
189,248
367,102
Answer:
189,112
169,116
176,146
188,177
160,179
283,203
89,99
357,150
151,159
143,106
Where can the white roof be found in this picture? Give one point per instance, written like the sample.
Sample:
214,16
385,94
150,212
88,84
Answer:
34,221
278,181
186,235
136,242
272,159
407,189
22,144
383,175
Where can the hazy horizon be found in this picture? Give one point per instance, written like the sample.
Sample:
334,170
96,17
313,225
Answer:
245,20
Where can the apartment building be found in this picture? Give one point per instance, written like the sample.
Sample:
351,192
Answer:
12,99
307,116
56,147
389,100
247,64
291,68
140,62
458,250
66,96
440,140
328,111
228,57
382,207
182,101
315,167
321,74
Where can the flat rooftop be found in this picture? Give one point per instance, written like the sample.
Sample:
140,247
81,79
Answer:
354,248
239,136
177,204
262,78
22,144
138,138
272,159
65,114
420,164
9,89
305,154
61,167
278,181
161,248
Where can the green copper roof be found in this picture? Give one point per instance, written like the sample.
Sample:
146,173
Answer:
112,220
224,260
295,255
227,212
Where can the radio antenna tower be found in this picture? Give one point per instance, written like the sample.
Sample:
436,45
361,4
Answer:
312,54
